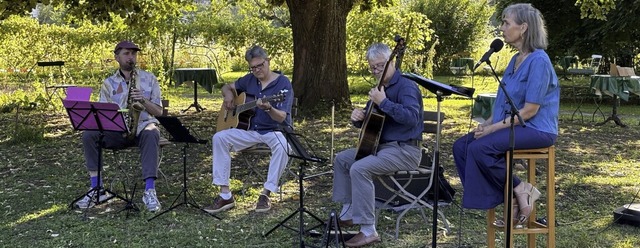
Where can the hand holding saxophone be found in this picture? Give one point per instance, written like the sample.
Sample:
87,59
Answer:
137,95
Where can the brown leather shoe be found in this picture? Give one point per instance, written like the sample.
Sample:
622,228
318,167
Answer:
220,204
341,223
361,240
345,223
263,205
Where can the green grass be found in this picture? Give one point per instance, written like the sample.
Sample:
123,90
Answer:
597,170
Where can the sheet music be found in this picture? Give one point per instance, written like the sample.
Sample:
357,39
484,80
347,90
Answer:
433,85
298,147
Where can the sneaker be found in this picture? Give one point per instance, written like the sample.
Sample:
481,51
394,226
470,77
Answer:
89,199
151,200
220,204
264,204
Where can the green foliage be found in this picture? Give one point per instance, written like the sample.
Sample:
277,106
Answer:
460,26
572,33
8,8
595,9
26,127
230,29
25,42
29,132
381,25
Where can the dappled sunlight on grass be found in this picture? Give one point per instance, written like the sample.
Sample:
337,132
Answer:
596,171
39,214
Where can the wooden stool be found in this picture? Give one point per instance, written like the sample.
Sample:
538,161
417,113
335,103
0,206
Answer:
531,227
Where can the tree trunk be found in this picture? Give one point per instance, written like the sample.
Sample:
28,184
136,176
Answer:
319,51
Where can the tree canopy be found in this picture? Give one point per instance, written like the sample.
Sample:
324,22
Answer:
594,27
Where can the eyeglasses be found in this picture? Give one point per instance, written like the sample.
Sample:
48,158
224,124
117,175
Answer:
377,67
257,67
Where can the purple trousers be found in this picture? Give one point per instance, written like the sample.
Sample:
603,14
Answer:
481,163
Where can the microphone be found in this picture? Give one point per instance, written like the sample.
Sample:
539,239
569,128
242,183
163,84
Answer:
495,47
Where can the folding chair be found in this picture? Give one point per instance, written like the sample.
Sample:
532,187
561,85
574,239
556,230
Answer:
252,155
122,155
51,89
407,189
459,67
593,66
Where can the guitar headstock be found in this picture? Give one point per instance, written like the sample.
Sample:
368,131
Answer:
399,48
281,96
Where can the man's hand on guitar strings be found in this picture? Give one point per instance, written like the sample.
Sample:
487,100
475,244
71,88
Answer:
229,103
377,95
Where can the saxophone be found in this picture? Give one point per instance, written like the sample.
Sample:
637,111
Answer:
134,108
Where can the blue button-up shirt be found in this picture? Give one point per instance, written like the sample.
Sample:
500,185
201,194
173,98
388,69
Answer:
261,121
403,109
534,82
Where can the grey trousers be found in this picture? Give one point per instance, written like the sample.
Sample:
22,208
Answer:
353,180
147,141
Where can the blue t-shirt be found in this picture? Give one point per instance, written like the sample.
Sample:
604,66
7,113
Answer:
534,82
403,109
261,121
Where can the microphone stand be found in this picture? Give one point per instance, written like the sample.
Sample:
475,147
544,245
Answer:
509,178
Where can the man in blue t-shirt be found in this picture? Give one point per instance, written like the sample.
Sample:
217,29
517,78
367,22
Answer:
261,82
400,100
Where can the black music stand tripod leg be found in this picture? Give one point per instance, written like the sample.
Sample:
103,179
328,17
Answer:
100,188
300,211
130,206
186,196
195,103
181,134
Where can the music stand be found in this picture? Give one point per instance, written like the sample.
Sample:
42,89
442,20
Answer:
97,116
440,90
301,153
180,133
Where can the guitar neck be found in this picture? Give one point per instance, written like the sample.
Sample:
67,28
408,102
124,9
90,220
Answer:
252,104
246,106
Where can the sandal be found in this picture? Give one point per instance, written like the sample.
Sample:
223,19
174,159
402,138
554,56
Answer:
527,196
515,210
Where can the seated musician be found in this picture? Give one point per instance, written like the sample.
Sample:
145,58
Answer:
399,147
116,89
532,84
260,82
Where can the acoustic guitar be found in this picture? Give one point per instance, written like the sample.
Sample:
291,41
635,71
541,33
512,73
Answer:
373,123
240,116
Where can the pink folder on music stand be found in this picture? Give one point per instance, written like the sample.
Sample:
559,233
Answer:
95,116
78,93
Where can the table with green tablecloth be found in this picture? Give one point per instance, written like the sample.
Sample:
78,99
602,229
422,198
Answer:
205,77
566,62
616,87
483,106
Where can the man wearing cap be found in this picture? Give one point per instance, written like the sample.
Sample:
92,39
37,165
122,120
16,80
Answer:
115,89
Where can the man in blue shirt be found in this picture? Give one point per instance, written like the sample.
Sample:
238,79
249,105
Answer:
400,100
260,83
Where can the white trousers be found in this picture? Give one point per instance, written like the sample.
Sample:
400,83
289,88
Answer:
233,140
